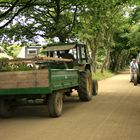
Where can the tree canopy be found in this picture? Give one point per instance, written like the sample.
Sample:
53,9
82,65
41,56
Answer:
109,28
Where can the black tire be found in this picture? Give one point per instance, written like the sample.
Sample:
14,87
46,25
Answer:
135,80
95,87
5,109
138,79
85,87
55,104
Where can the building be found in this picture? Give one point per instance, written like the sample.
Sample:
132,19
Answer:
29,52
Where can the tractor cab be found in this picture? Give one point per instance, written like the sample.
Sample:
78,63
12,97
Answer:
78,53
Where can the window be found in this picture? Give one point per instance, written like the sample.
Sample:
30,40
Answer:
32,51
83,53
73,52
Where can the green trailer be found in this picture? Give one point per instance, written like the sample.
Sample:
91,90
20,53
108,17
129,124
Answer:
37,81
48,84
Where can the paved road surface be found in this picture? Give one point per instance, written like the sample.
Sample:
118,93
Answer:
112,115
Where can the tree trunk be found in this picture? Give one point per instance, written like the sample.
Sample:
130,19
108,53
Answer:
93,47
107,44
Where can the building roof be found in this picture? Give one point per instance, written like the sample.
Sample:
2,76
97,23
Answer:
59,47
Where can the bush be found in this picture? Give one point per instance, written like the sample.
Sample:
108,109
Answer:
6,66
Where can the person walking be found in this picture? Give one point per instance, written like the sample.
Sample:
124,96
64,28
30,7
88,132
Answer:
133,69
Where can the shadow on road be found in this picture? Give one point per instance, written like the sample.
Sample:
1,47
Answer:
41,111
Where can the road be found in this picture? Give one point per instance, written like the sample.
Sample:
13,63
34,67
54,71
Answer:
112,115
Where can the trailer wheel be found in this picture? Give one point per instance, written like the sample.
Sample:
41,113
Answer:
55,104
85,87
95,87
5,109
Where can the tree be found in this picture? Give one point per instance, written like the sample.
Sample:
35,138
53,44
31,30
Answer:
98,23
98,20
126,40
134,33
9,10
55,18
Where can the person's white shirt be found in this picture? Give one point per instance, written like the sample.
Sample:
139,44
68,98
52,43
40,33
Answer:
133,65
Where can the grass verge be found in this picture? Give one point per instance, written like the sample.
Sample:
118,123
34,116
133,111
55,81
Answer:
100,76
